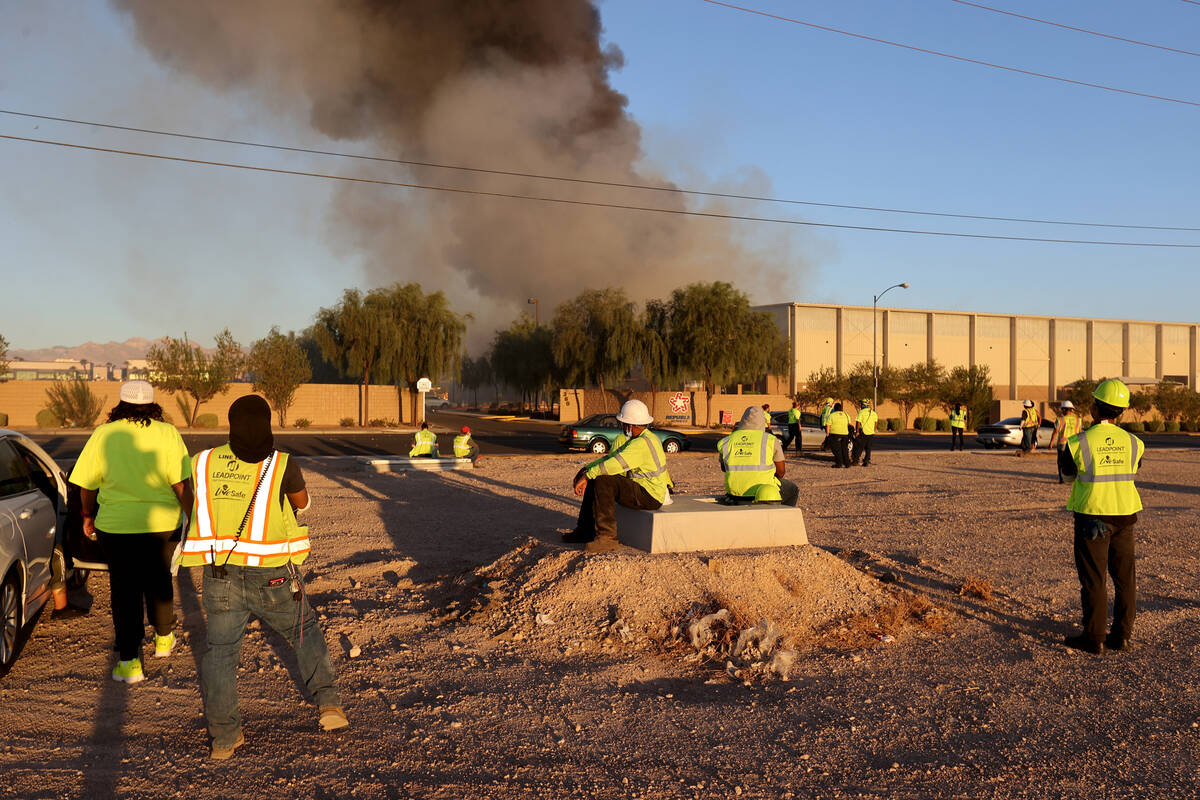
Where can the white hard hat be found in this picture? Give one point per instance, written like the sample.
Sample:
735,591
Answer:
634,412
1067,404
137,392
1028,404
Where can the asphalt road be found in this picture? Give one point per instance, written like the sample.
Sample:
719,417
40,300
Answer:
500,437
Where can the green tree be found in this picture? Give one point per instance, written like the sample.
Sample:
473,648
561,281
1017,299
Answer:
1141,401
971,386
3,356
1170,399
476,372
73,402
1080,394
277,366
823,383
177,365
422,337
654,352
860,382
596,338
713,333
926,380
523,356
351,336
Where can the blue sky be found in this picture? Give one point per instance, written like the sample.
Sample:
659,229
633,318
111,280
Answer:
101,247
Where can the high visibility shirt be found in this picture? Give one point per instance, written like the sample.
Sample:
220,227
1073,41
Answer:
424,444
825,412
958,419
867,418
746,456
642,459
793,416
839,423
1107,460
225,495
462,445
1065,427
1030,418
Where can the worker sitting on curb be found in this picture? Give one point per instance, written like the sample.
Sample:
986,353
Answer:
752,460
424,443
464,445
634,475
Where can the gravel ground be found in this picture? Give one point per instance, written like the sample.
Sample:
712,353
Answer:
901,686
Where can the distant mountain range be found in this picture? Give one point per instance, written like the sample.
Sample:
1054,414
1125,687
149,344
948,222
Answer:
109,353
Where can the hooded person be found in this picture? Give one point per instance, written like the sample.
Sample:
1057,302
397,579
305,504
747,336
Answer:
245,535
753,463
634,474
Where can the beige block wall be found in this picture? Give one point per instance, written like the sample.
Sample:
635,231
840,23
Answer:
1033,353
816,338
907,339
1070,351
856,339
951,340
1142,361
1108,358
1176,354
323,404
992,349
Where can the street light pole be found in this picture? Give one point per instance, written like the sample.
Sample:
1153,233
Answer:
533,301
874,346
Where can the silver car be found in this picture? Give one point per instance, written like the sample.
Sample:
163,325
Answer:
33,506
1007,433
811,432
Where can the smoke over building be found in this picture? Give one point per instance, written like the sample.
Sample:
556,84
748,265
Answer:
519,86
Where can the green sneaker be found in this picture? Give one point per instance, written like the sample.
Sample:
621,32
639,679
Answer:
128,671
164,645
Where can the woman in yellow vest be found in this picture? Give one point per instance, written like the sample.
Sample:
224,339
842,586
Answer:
1104,460
244,532
958,426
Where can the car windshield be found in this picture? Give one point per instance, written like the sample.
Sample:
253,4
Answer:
1010,421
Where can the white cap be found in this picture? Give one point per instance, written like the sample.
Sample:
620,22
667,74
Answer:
634,412
1067,404
1028,404
137,392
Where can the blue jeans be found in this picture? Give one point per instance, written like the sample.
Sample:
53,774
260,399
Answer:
228,604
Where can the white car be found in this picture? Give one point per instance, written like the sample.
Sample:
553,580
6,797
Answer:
33,507
1007,433
432,401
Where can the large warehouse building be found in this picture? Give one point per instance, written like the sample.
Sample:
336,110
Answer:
1028,357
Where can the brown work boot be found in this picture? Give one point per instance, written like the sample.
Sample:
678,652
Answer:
333,718
225,752
602,544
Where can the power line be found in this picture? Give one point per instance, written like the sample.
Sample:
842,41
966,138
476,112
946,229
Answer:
952,56
593,182
1073,28
586,203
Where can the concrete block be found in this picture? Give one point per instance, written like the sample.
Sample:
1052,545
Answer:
701,523
405,464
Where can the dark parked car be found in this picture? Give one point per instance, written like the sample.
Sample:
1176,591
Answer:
1007,433
811,432
599,432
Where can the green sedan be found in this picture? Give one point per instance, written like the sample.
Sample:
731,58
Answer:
598,433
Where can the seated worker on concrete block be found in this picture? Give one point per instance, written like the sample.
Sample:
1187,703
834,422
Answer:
752,460
634,475
424,443
464,445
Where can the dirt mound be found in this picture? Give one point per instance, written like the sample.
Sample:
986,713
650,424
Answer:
543,592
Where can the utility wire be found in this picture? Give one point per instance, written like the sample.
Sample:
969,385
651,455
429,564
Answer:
952,56
587,203
591,182
1073,28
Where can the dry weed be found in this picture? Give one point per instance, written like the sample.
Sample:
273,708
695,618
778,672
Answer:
977,587
908,612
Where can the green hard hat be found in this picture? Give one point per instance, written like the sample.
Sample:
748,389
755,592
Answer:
767,493
1113,392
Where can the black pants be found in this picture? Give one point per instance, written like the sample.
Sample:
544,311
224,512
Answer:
1113,553
598,514
139,580
956,437
1028,439
793,435
862,448
839,443
789,493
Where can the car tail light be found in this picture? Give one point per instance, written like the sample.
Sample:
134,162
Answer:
574,433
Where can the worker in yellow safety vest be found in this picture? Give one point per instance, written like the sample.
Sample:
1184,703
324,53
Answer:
244,533
464,445
1066,425
839,436
634,474
793,427
424,443
752,460
1104,460
1030,422
958,426
826,410
864,433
